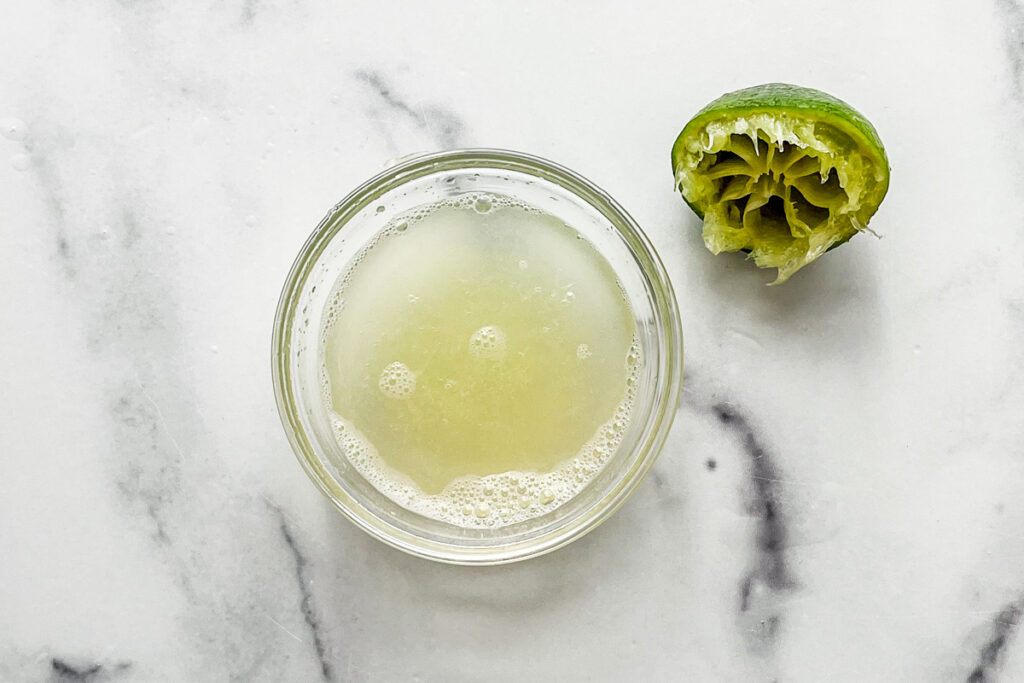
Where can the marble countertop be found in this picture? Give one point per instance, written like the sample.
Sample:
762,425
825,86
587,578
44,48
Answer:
842,495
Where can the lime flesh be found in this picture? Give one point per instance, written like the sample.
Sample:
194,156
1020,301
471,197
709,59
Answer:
783,172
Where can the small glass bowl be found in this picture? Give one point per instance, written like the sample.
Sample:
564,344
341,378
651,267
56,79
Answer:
349,226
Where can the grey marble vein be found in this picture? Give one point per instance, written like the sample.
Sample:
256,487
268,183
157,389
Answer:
1004,627
762,585
84,671
306,604
771,572
668,495
1011,15
135,319
443,126
50,185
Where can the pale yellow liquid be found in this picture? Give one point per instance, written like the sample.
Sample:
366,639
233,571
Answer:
479,339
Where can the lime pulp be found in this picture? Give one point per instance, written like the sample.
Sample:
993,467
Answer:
782,172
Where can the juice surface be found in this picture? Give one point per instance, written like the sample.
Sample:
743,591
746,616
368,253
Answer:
480,337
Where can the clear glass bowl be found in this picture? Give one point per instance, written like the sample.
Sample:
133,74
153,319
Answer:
297,349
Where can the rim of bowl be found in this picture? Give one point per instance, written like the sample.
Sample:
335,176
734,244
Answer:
668,375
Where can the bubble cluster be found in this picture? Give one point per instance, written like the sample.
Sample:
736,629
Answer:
335,304
583,352
397,381
495,500
488,342
483,202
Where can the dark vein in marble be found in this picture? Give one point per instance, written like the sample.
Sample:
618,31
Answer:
134,331
771,571
444,126
150,480
65,671
1003,627
1012,20
663,490
134,320
307,605
771,540
49,183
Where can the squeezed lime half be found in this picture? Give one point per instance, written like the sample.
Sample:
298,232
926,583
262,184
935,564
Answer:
783,172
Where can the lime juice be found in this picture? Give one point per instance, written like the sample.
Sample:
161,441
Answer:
480,361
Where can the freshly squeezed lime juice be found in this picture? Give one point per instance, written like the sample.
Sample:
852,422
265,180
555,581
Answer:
480,361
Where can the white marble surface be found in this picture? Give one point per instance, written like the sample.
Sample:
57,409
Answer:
162,162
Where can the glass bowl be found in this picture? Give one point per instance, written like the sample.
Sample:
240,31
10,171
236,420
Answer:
352,224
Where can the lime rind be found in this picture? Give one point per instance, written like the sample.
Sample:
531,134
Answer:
783,172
